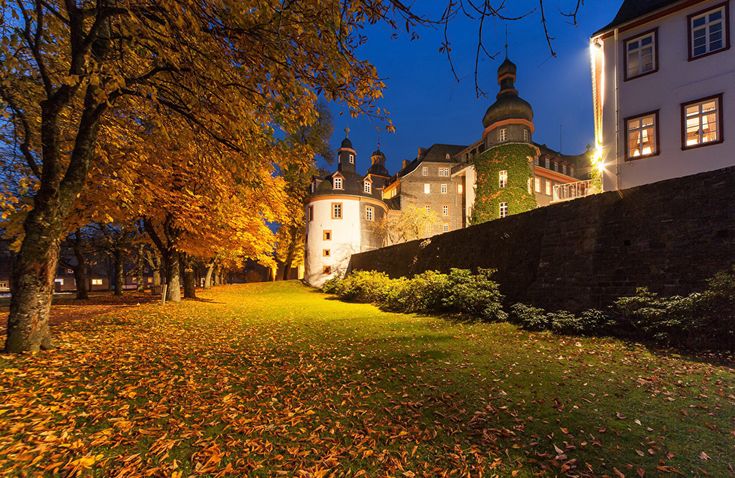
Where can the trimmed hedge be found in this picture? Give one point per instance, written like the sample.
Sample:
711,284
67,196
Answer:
699,320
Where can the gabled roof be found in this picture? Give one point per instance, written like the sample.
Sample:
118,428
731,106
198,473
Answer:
633,9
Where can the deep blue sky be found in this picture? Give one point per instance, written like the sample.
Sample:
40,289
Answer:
428,105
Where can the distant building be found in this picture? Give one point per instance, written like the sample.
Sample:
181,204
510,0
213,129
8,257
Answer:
503,173
662,86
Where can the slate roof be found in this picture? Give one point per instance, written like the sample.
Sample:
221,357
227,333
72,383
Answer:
352,185
632,9
437,153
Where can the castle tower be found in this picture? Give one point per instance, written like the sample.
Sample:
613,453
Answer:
342,214
505,169
510,118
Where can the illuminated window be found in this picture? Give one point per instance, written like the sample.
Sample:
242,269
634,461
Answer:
445,228
547,163
537,180
503,209
369,213
327,235
311,213
641,137
708,32
368,187
702,122
548,187
460,189
526,135
59,281
427,188
352,159
96,281
338,184
502,135
444,172
445,210
503,179
336,210
326,252
444,189
424,171
640,55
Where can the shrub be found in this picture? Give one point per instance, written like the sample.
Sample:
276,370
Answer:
589,322
474,294
332,286
363,286
422,293
529,318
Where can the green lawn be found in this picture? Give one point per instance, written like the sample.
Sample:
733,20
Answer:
276,379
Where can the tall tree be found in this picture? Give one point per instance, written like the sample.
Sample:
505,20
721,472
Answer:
312,140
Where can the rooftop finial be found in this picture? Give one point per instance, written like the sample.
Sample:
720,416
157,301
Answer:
377,131
506,42
347,132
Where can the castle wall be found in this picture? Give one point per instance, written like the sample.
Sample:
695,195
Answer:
670,236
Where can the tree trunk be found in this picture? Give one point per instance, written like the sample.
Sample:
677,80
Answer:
156,277
33,283
119,272
140,268
189,279
290,255
173,276
208,277
80,271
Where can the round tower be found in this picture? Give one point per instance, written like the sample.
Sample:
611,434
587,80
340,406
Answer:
505,169
342,214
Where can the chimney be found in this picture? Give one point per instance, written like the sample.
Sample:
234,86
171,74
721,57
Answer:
405,164
422,151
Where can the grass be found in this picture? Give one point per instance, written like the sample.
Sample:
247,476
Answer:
277,379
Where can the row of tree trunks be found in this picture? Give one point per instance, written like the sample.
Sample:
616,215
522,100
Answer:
189,277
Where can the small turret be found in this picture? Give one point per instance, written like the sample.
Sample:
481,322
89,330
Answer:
377,166
347,155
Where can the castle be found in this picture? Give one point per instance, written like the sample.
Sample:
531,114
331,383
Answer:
445,188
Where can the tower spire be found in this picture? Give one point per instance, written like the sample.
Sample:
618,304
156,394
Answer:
347,132
506,42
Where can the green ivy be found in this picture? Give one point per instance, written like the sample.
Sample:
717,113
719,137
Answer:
517,159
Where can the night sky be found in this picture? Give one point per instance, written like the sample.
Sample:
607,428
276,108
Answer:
428,105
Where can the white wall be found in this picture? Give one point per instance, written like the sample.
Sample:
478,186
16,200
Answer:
345,238
677,81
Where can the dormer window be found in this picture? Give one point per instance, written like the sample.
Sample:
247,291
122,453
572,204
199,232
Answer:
367,187
338,183
351,158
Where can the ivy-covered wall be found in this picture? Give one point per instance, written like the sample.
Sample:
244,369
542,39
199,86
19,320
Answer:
517,159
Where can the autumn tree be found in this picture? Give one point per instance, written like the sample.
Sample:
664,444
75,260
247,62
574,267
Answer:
409,224
227,70
312,141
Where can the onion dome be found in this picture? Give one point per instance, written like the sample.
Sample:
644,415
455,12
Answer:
378,164
509,106
346,143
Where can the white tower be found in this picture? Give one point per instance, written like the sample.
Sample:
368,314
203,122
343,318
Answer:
341,213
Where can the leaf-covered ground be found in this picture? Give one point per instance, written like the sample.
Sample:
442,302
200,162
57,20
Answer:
276,379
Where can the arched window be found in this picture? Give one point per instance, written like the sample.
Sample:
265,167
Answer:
338,183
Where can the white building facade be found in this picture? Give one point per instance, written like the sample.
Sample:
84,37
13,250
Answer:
664,90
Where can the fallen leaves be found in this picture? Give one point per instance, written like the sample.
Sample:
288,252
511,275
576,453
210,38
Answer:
273,380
